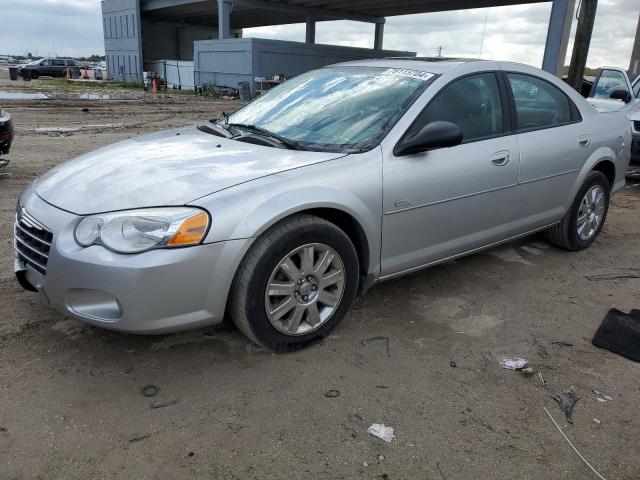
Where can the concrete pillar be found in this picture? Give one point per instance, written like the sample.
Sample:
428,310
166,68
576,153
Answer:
634,65
555,50
224,18
311,30
379,36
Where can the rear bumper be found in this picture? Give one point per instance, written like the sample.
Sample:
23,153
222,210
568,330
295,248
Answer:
153,292
6,132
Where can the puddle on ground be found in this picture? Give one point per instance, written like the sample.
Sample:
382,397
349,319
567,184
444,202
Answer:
22,96
8,95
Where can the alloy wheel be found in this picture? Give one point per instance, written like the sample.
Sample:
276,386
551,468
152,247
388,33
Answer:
305,289
591,212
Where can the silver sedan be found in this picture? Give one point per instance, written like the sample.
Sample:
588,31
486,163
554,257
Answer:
280,213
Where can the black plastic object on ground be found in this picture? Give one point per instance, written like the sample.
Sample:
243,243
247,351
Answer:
244,89
13,73
620,333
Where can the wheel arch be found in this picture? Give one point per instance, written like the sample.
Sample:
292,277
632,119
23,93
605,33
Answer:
608,168
602,160
350,226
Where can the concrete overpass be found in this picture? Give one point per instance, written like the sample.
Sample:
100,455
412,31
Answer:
206,19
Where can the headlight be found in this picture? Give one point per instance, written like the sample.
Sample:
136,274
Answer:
135,231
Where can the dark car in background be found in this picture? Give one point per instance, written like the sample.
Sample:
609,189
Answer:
49,67
6,132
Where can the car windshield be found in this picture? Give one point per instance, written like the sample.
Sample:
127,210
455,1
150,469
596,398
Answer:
342,109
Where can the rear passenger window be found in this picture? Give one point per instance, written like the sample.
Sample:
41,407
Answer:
473,103
540,104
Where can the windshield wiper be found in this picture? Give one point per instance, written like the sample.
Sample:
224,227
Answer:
216,129
292,144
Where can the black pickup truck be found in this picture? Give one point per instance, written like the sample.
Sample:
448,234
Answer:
51,67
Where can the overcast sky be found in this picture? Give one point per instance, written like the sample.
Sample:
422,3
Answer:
74,28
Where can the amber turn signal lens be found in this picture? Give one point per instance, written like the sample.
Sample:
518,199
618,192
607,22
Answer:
191,231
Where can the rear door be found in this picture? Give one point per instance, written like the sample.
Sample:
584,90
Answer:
58,67
448,201
554,144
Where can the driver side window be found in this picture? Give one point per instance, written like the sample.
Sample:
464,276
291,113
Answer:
473,103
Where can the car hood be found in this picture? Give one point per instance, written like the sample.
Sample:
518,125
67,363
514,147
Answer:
173,167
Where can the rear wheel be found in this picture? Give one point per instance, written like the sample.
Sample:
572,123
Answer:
35,74
295,284
583,222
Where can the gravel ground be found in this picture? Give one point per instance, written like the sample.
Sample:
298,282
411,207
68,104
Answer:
420,354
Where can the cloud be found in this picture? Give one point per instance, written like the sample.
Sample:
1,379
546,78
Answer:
516,33
49,27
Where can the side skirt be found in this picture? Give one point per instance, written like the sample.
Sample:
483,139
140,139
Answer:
463,254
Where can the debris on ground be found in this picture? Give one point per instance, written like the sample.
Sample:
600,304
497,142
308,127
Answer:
528,370
149,391
619,333
567,403
612,276
164,404
596,421
542,380
532,249
601,397
139,437
381,431
453,364
332,394
514,363
563,344
571,445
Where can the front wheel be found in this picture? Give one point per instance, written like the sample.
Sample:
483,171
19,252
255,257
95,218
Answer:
583,222
295,284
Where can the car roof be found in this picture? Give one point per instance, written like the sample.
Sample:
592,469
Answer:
436,65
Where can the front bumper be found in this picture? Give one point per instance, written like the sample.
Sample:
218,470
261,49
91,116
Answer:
635,147
6,132
158,291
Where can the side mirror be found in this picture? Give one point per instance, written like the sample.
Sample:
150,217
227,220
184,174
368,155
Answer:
621,94
433,135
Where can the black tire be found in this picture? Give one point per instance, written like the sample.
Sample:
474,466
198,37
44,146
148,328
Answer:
565,234
247,298
35,74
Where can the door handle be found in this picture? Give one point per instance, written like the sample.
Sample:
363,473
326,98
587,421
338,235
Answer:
500,159
584,140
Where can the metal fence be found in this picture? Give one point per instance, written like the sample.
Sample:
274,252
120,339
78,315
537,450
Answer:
177,73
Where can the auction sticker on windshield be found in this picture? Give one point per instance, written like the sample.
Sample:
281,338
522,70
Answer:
403,72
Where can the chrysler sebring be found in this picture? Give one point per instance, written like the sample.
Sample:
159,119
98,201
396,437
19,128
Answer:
278,214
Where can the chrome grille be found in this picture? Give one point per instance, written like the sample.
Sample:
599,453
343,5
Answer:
32,241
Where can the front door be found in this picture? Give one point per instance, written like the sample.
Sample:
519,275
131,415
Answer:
448,201
609,80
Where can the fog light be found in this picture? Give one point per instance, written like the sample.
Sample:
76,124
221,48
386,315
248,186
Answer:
93,304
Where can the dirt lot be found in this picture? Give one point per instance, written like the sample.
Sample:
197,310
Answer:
420,353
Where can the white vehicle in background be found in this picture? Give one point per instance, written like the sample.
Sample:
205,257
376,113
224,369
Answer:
612,90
